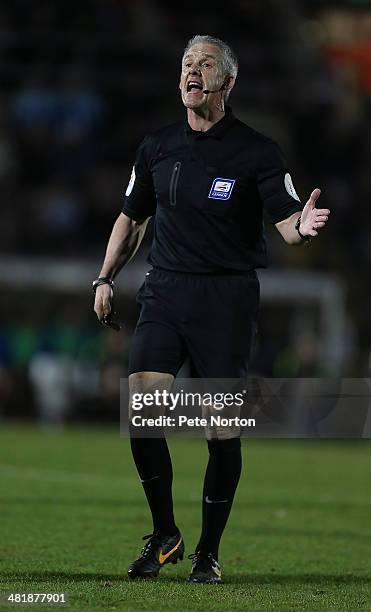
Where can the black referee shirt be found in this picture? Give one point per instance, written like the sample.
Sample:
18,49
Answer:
207,191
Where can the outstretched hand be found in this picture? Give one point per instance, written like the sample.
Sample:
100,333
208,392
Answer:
312,218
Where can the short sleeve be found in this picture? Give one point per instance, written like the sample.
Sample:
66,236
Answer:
275,186
140,198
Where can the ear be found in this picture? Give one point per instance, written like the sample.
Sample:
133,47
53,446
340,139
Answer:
229,83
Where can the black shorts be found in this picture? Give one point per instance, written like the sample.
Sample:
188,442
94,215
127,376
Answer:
211,319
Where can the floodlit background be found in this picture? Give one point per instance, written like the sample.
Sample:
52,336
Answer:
81,84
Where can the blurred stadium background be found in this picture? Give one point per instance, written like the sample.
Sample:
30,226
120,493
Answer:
81,84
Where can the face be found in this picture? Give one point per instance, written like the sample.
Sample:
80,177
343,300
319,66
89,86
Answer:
201,69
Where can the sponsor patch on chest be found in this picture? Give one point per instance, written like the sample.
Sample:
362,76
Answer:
221,189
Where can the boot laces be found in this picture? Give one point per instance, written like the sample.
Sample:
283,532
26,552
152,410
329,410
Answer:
203,560
154,541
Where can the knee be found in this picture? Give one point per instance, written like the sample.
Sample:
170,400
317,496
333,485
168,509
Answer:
144,399
140,382
138,379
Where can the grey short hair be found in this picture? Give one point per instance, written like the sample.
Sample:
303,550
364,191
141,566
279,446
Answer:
228,56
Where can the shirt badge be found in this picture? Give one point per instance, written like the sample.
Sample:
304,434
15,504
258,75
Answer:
290,187
221,189
130,186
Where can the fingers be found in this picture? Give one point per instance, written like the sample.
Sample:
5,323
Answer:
101,309
321,217
102,304
314,197
314,219
106,307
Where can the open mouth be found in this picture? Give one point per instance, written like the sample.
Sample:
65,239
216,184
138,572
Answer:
193,87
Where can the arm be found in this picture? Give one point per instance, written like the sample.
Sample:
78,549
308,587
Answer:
312,219
281,201
128,231
124,241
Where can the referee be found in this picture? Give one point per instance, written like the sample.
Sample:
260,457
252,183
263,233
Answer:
206,182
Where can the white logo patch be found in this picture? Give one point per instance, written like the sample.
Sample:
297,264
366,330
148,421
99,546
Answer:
130,186
221,189
290,187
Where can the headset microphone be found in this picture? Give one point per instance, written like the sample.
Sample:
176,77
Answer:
209,91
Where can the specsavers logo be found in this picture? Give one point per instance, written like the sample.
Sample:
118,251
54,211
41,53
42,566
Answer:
221,189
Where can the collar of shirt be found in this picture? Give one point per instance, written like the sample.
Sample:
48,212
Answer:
217,130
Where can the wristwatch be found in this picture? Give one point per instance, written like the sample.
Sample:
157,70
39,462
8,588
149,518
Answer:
102,280
306,239
107,319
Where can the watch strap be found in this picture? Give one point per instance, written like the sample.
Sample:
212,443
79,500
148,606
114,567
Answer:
297,227
102,280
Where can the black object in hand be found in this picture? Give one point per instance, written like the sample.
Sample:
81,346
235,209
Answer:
110,322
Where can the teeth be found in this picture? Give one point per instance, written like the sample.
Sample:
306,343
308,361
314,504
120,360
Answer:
193,84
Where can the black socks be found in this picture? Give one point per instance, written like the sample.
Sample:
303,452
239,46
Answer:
152,458
220,484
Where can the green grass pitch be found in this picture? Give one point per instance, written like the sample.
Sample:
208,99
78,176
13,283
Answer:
73,512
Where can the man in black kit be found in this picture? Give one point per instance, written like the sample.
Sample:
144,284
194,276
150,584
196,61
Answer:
206,182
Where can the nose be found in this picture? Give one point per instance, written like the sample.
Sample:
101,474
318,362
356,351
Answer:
194,70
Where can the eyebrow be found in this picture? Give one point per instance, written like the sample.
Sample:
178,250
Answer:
205,54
